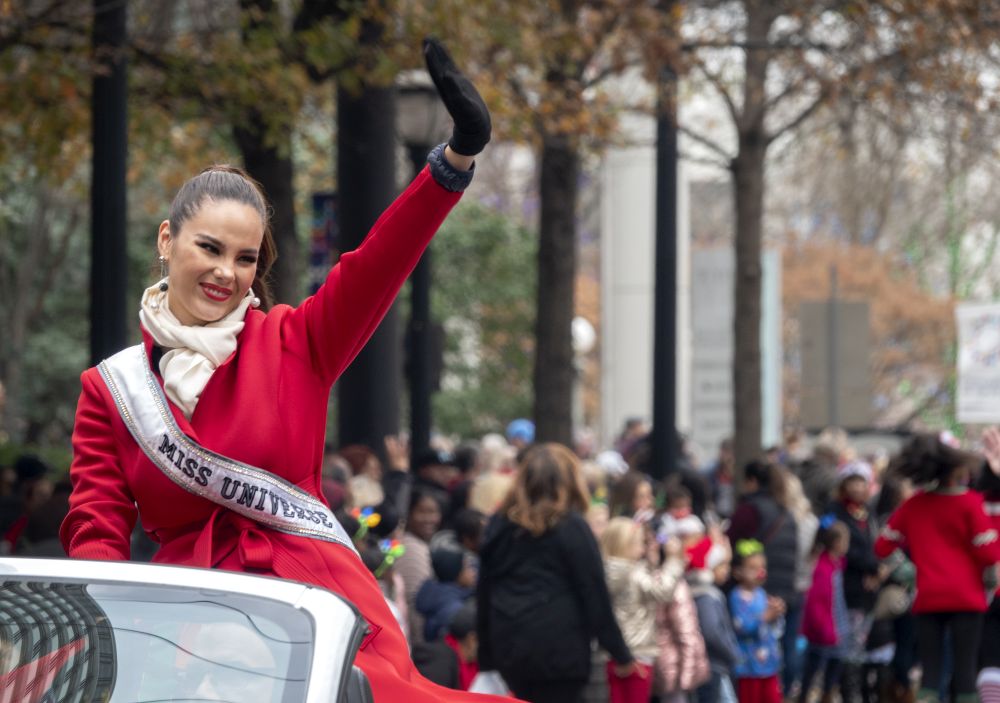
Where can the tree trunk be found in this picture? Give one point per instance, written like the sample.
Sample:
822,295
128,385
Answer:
554,371
269,161
748,178
271,166
748,181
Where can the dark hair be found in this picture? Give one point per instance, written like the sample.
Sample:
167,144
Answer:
465,457
675,492
347,521
419,493
219,183
371,556
447,561
463,622
891,495
926,459
469,523
987,481
769,477
828,534
623,492
389,519
29,467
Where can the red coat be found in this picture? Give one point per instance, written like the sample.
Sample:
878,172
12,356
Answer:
266,405
951,541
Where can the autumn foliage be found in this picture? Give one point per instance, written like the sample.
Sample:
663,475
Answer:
912,331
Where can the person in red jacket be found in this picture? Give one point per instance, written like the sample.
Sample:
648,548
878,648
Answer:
951,543
988,484
213,428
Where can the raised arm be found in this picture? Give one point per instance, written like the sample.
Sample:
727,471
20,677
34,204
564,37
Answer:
102,510
331,327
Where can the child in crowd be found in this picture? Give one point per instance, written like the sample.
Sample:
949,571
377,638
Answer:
951,543
464,642
824,621
677,504
682,664
453,661
454,583
861,575
758,623
637,588
708,568
632,496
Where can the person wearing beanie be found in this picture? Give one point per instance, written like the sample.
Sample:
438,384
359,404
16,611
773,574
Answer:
861,573
521,433
441,597
708,569
434,471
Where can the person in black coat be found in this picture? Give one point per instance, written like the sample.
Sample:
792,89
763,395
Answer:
862,576
542,596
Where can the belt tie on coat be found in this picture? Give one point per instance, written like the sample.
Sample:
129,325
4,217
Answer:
223,528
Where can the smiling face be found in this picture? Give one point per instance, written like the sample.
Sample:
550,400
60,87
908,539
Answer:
425,518
212,260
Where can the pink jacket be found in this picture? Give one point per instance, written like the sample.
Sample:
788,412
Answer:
818,625
682,664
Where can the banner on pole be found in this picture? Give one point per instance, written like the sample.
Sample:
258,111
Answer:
977,398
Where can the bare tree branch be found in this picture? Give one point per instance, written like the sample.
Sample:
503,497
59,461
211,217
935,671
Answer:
705,141
704,161
721,88
803,115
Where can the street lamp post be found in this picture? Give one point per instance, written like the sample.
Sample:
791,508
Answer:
109,130
421,121
665,445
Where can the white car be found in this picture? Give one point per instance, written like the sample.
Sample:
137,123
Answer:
118,632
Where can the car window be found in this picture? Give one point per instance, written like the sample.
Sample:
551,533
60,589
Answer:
73,643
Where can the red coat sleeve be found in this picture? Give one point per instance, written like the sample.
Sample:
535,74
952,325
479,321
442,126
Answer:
102,510
984,537
892,536
332,326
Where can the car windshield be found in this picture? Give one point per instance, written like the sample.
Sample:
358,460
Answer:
78,643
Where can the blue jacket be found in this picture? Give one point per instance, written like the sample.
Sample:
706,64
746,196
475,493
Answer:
438,602
760,655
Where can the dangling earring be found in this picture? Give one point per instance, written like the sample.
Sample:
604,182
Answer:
163,272
254,300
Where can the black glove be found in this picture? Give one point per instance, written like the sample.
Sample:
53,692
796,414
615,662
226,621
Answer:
466,107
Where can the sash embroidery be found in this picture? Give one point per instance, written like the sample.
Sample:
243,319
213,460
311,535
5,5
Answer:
247,490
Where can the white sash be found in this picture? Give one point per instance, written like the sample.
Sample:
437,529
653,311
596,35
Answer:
247,490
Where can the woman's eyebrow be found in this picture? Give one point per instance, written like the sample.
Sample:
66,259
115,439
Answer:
220,245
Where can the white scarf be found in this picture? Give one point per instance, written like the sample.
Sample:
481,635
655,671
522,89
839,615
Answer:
194,351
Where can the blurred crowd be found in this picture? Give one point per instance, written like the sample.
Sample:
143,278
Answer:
559,574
